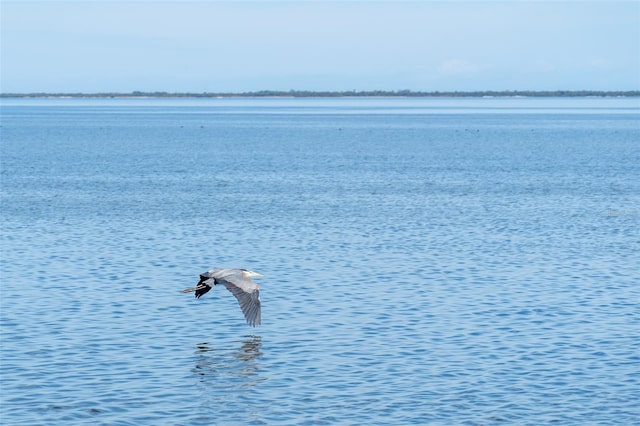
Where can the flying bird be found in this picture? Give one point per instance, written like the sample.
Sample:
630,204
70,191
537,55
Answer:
238,282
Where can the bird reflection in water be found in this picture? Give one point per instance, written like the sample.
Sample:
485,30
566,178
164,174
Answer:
228,374
235,365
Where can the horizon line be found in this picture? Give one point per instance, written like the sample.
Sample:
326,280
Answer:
330,93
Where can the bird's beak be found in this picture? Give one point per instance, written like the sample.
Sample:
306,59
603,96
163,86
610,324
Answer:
255,274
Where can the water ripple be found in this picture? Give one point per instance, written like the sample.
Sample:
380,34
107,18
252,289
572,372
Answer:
415,272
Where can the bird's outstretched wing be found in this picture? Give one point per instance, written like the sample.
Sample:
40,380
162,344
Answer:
218,273
248,294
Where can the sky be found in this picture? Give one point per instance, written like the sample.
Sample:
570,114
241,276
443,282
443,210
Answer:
239,46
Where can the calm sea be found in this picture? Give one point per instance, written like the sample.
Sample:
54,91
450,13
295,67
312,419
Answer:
447,261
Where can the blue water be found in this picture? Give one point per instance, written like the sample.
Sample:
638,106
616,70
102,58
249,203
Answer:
447,261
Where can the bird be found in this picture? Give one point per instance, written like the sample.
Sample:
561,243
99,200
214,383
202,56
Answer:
239,283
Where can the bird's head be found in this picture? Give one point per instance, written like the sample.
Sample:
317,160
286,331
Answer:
250,274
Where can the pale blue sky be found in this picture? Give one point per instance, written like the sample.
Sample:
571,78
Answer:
195,46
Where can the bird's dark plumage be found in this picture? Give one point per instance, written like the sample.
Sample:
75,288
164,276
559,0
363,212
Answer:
203,288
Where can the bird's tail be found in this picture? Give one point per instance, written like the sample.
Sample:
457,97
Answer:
200,289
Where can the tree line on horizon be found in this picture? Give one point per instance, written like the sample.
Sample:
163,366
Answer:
329,94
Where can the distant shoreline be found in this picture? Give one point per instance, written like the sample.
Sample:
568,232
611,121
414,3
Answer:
339,94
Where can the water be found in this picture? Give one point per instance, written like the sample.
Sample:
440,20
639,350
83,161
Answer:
464,261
